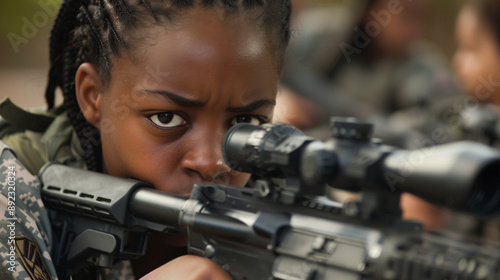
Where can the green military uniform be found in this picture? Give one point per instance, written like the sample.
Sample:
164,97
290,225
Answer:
36,140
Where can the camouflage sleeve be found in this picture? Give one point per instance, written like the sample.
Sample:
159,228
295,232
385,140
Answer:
25,233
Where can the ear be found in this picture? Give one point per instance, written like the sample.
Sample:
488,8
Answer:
88,86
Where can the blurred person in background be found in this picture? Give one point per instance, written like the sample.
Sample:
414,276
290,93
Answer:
477,114
477,64
366,60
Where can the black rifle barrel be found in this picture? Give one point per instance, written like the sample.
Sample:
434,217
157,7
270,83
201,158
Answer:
180,212
157,206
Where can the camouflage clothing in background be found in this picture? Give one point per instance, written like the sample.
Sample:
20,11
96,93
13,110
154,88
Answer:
413,103
394,93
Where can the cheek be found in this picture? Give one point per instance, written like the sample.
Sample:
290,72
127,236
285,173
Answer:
130,153
472,65
468,67
491,60
128,148
124,148
161,168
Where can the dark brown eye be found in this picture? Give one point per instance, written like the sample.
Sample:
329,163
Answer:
167,120
165,117
246,119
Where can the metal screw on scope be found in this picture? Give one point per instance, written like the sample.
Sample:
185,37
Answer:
351,208
263,188
350,129
209,251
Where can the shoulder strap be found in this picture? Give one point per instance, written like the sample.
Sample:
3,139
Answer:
4,147
23,119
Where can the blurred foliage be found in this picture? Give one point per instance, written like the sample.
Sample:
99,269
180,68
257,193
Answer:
12,12
13,16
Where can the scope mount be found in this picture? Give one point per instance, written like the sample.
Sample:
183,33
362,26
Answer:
293,167
350,129
348,134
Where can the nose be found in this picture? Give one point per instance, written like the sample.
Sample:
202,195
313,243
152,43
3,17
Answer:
204,160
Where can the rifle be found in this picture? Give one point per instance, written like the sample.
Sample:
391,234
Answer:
285,226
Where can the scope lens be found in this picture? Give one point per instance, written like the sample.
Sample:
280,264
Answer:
236,150
485,199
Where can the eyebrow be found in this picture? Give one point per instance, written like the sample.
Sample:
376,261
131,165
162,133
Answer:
186,102
177,99
252,106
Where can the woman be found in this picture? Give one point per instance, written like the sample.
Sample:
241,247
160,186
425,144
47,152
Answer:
150,88
477,64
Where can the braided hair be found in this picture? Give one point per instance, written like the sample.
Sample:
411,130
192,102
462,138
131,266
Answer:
93,31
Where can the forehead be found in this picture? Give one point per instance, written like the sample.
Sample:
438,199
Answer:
470,29
205,50
193,28
467,19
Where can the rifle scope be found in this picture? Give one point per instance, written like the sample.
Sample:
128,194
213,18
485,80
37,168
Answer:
462,176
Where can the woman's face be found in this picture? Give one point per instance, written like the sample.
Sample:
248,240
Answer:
399,27
477,58
168,105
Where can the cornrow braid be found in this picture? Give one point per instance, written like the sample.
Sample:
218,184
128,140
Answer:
95,31
59,37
